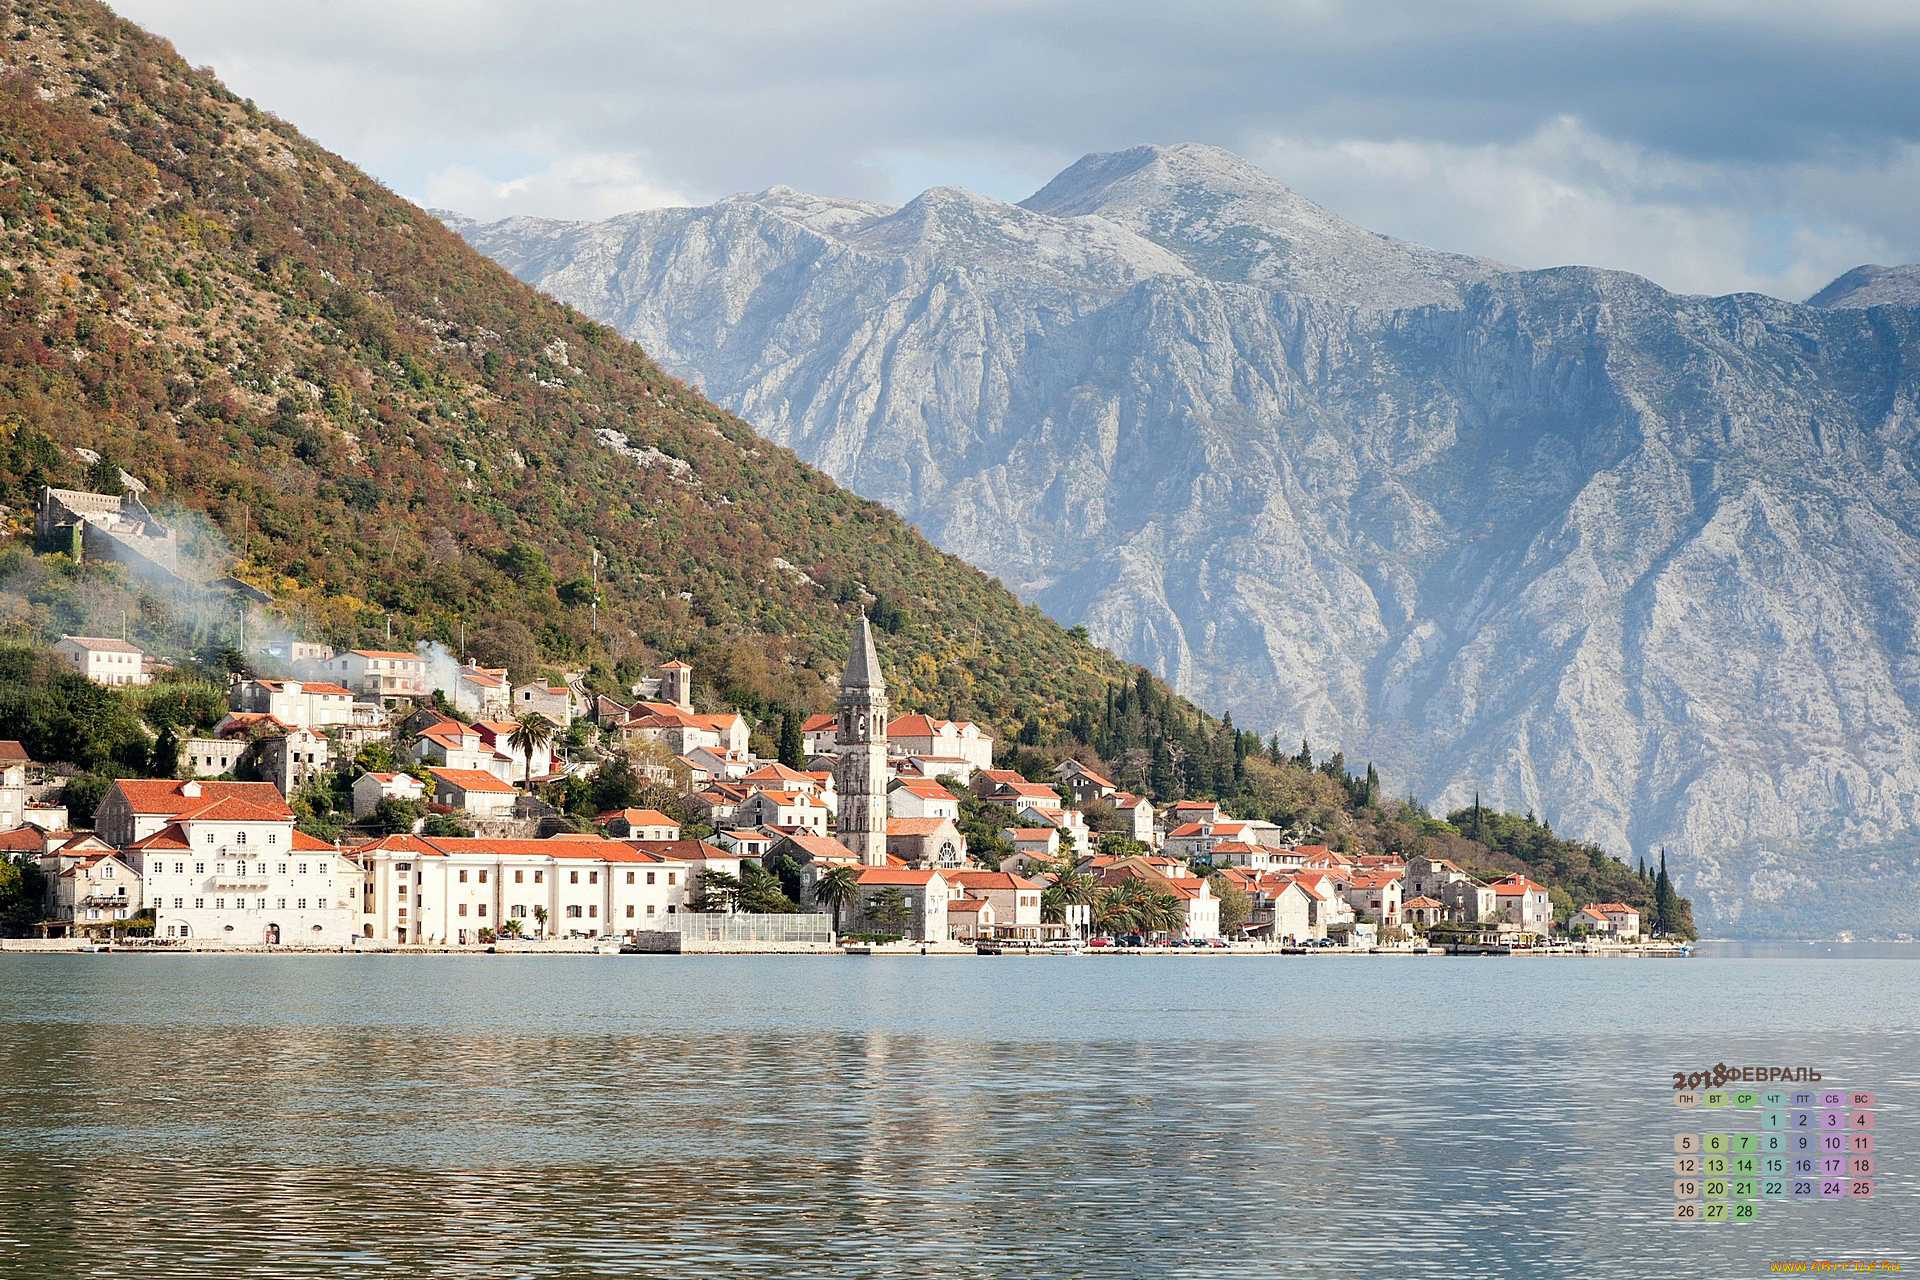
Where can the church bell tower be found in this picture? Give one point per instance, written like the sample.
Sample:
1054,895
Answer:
861,772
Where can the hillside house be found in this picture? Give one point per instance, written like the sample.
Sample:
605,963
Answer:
921,798
369,789
297,703
104,660
380,673
13,784
473,791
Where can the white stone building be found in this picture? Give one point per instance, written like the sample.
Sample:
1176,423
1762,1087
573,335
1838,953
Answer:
235,871
103,660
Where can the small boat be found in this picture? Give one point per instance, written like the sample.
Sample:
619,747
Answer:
96,946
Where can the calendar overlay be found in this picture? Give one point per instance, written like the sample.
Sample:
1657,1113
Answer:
1743,1148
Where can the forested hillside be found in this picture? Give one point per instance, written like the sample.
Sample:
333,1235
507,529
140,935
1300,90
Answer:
373,419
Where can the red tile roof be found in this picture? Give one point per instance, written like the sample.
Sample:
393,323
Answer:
895,875
169,796
916,826
988,880
12,752
475,780
20,840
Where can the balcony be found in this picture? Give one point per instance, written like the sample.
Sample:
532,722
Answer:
241,886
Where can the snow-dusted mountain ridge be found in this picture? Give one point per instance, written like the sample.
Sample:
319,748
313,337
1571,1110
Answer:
1644,563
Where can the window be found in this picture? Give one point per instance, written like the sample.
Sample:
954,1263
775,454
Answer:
482,911
209,837
239,837
573,912
273,837
279,904
538,876
519,877
463,877
574,877
629,877
671,877
199,904
403,866
179,903
263,868
650,876
483,877
629,911
199,868
518,912
106,871
669,908
649,909
261,903
303,868
179,868
303,904
281,868
219,904
593,877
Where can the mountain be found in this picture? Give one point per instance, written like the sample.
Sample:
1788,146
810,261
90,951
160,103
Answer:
1645,564
1872,286
336,399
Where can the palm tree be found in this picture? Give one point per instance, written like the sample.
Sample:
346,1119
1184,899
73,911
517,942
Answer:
540,918
530,732
512,929
835,888
1074,889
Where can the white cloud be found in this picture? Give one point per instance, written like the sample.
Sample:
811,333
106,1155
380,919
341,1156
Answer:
1713,145
588,186
1565,195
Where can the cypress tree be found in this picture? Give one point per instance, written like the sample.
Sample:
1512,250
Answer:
793,751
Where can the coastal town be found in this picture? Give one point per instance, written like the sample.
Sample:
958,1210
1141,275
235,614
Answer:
859,837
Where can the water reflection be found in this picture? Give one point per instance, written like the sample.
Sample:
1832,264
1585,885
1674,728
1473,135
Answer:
346,1116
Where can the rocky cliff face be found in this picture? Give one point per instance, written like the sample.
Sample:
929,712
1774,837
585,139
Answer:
1646,564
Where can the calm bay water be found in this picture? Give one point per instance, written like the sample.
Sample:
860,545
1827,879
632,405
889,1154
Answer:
1093,1116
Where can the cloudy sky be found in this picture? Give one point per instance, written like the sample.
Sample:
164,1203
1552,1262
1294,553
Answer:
1709,144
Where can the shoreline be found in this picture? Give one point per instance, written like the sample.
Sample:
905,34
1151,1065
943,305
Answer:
74,946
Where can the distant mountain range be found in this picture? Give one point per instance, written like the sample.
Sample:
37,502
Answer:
1648,564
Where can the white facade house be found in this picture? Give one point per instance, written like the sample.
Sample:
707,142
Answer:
917,735
921,798
104,660
95,889
305,704
13,784
787,809
1527,903
380,673
369,789
235,871
473,791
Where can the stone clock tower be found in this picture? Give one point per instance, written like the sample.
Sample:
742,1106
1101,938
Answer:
861,773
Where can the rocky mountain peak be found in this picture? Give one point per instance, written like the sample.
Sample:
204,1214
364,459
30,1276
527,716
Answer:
1872,286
